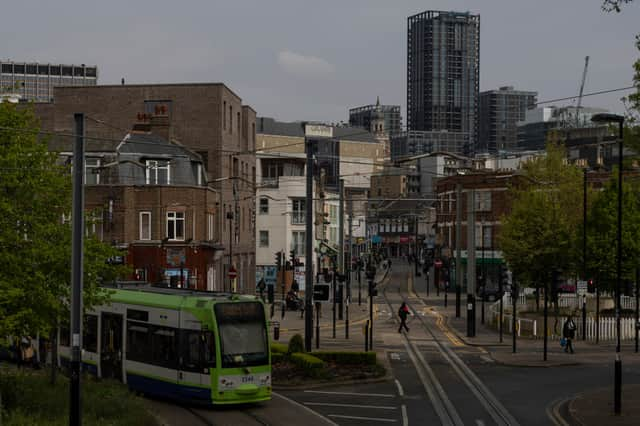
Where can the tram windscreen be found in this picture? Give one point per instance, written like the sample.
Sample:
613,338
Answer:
243,334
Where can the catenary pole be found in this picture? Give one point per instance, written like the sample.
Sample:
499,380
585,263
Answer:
75,408
308,291
459,278
341,249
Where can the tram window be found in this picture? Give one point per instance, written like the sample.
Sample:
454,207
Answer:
190,351
209,349
163,347
65,335
134,314
90,333
138,341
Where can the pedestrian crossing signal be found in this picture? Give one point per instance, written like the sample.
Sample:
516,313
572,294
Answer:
321,292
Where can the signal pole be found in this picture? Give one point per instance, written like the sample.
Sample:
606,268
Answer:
471,265
458,246
308,291
75,412
341,244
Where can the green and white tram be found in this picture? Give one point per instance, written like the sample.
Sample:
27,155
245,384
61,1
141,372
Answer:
184,345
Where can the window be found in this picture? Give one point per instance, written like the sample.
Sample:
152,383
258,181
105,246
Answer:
483,201
298,214
163,347
145,225
91,171
175,226
224,115
238,122
198,351
230,119
90,333
264,206
210,224
158,172
264,238
483,236
298,243
138,341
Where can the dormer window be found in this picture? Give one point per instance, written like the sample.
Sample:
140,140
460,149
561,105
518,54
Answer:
158,172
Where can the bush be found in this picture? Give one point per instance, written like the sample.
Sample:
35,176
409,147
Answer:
309,363
296,344
277,357
355,358
278,348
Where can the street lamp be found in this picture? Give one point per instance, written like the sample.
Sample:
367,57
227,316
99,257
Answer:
614,118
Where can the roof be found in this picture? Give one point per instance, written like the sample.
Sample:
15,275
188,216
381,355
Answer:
171,298
150,144
269,126
125,86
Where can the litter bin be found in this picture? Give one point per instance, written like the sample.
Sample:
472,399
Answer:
276,330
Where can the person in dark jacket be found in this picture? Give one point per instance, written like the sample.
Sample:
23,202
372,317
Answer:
569,333
403,312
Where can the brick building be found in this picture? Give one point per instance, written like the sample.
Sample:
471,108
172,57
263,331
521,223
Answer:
207,118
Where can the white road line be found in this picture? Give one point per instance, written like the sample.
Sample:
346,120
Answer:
400,390
382,395
330,404
370,419
405,417
309,410
479,422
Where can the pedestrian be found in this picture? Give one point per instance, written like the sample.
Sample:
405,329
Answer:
389,263
403,312
569,333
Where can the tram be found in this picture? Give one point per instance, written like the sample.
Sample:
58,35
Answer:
191,346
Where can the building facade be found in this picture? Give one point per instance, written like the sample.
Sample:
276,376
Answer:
208,119
500,111
364,116
35,82
443,69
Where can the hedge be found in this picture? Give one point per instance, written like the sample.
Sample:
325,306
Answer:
278,348
306,361
356,358
277,357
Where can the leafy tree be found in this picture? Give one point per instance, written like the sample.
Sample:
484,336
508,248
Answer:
602,234
538,235
35,244
614,5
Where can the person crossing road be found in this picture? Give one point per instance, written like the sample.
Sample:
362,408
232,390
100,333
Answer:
403,312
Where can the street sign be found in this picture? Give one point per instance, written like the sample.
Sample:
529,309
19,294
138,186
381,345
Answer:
321,292
318,130
438,263
582,287
233,274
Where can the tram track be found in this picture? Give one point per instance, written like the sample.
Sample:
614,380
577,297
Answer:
437,395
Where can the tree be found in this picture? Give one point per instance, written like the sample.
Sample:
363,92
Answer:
614,5
538,234
35,243
602,234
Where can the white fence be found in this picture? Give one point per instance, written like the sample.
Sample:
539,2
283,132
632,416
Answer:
535,328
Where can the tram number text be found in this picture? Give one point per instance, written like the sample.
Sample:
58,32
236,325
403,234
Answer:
248,379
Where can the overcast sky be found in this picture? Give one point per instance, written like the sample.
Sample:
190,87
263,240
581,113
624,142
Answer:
312,60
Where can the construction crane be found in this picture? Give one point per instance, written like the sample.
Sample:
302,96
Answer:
584,77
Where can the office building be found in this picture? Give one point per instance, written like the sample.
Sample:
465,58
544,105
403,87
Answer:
443,66
35,82
500,111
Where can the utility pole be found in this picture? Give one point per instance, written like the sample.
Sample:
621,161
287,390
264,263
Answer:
416,272
230,217
458,246
471,265
514,299
341,244
75,408
546,317
349,263
308,291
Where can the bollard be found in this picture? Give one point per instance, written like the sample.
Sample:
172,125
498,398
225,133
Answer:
276,330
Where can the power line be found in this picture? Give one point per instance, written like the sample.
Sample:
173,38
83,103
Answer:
601,92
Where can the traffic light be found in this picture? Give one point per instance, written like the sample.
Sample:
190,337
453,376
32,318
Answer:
504,275
279,260
372,288
292,257
591,286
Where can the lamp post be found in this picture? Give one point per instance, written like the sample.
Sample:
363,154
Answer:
614,118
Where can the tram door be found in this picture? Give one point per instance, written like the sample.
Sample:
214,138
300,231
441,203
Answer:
111,346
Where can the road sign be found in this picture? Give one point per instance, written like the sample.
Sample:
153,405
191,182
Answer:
233,274
582,287
321,292
438,263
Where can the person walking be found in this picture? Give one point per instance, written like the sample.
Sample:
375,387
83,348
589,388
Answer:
403,312
569,333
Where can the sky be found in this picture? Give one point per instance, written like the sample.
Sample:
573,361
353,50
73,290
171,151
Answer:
313,60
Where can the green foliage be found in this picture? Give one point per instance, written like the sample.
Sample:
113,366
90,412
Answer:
29,400
539,233
35,246
307,362
296,344
277,357
349,358
614,5
602,227
278,348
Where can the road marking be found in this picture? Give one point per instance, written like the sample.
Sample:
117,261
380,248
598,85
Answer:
486,359
394,356
400,390
405,417
370,419
330,404
307,409
479,422
382,395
